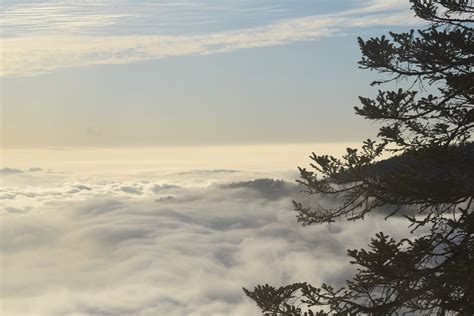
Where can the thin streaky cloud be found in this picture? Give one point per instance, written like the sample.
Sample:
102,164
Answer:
31,55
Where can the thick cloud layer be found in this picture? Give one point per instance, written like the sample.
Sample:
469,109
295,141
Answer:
181,243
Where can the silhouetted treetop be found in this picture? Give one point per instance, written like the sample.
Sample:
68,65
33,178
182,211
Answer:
428,124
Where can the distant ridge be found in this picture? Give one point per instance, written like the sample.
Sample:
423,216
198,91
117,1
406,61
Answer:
457,154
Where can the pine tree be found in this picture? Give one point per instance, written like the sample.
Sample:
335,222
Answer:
430,180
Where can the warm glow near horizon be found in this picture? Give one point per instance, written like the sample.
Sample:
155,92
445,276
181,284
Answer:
129,159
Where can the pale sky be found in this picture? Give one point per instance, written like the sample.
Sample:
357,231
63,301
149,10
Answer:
210,72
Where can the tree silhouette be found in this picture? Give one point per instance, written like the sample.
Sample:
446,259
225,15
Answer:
430,180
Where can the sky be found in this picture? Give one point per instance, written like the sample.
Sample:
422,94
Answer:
153,73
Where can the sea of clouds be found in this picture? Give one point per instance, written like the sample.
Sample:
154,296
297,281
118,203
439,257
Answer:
161,243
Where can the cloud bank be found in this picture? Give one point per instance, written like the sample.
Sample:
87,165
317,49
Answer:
122,246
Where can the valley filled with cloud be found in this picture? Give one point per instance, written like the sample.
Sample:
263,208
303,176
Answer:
161,242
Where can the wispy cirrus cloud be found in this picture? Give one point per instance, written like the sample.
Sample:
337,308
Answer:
100,17
48,51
